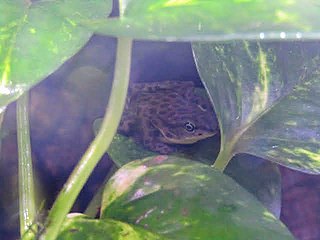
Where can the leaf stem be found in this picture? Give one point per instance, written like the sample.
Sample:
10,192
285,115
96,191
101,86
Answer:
227,150
95,203
223,158
99,145
2,134
26,182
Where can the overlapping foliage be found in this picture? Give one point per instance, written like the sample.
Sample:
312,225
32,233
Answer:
265,104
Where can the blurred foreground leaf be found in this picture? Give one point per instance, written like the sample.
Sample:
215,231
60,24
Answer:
259,177
214,20
182,199
36,38
80,227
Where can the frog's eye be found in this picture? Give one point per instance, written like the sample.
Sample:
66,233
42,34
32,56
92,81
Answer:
189,126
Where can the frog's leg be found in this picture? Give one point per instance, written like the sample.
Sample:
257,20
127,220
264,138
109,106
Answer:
150,138
127,122
199,97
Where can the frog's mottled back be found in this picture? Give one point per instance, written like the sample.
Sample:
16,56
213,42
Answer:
160,114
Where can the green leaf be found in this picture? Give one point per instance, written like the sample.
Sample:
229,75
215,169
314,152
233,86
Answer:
265,97
261,178
122,149
214,20
79,227
36,38
182,199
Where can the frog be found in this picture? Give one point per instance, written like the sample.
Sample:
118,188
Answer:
163,115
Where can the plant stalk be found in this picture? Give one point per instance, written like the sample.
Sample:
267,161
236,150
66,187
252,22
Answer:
227,150
223,159
26,182
95,203
1,128
99,145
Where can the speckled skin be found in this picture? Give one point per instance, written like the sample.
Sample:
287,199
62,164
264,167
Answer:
162,114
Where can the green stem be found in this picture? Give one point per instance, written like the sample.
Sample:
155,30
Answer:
223,158
95,203
26,183
98,147
2,134
227,150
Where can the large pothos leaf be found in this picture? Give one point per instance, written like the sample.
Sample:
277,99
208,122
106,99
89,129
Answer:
80,227
35,38
259,177
266,99
182,199
214,19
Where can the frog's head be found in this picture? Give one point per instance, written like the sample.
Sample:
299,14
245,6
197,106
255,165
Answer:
186,126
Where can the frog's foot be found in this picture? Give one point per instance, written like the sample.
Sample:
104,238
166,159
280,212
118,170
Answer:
126,124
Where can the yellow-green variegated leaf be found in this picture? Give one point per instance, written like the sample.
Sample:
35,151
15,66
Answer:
80,227
266,96
259,177
182,199
123,149
214,19
37,37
